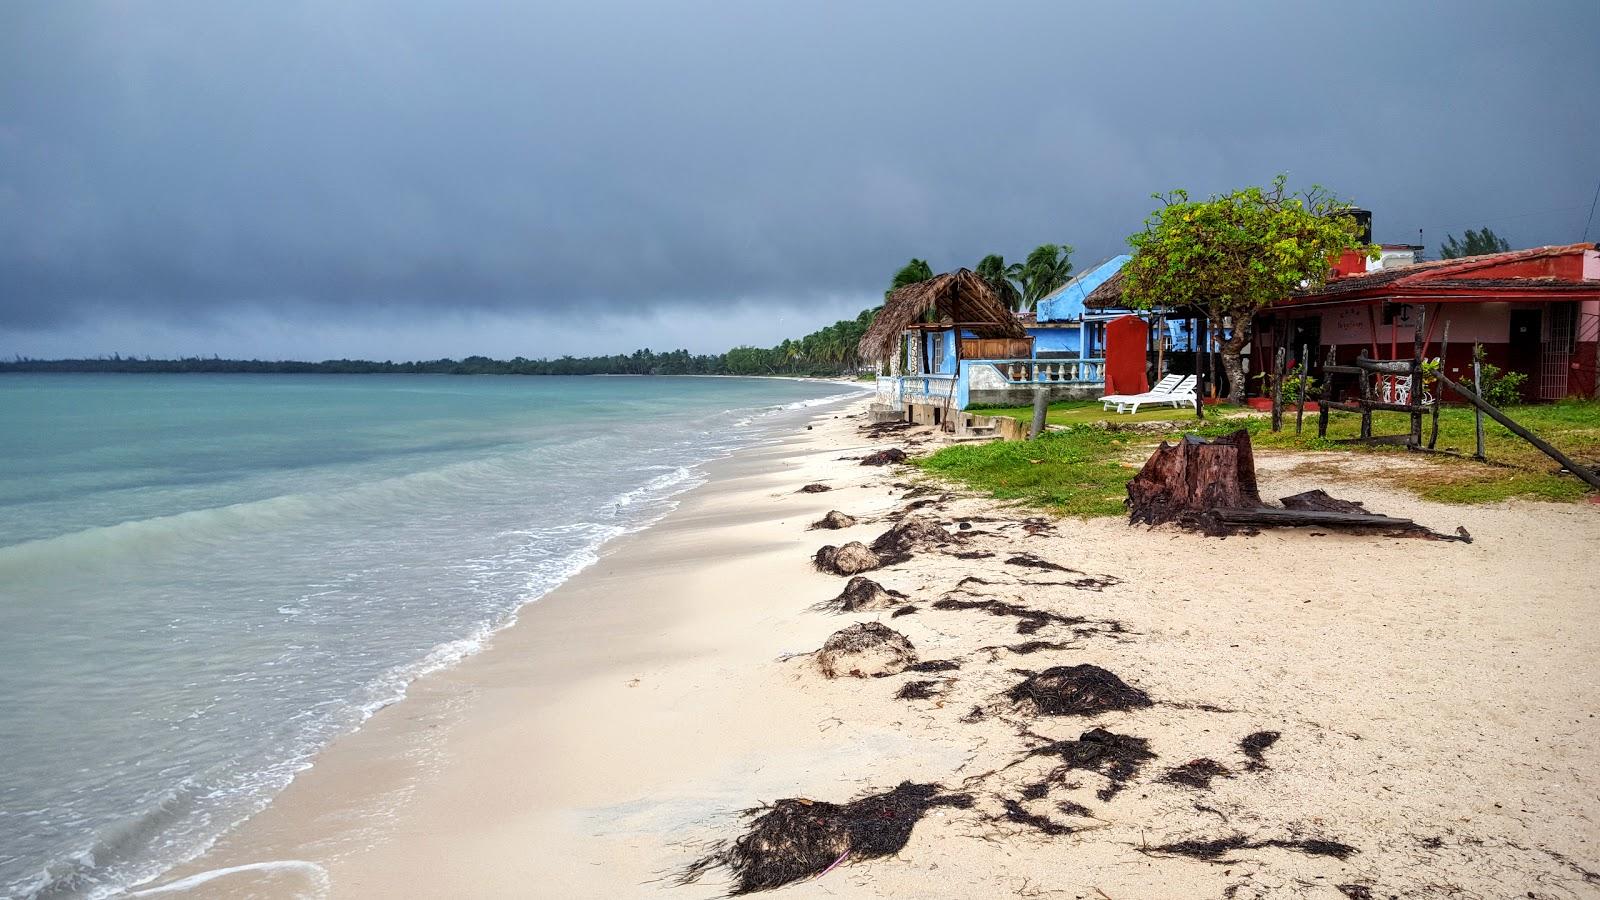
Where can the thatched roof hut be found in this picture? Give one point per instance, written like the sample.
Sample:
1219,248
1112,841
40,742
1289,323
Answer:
959,299
1108,295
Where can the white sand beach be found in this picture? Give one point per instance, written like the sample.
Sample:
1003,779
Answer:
1435,704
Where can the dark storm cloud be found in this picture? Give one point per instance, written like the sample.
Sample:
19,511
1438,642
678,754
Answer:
186,161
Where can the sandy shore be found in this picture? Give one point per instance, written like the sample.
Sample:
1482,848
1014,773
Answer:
1435,704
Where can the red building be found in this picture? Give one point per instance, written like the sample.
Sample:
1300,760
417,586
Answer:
1534,311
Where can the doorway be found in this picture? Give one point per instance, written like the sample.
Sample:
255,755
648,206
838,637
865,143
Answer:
1524,349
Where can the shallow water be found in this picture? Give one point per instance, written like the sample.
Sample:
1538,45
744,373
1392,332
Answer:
203,579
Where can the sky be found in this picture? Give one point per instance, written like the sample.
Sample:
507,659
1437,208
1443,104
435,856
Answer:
402,180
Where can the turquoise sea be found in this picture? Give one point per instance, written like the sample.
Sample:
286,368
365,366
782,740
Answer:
204,579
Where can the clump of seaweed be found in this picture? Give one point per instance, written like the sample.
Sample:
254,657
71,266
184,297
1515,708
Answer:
934,665
884,457
1014,812
798,838
1217,850
1079,690
850,559
914,533
1118,757
865,650
814,488
1030,620
862,593
833,521
1027,647
1255,745
916,690
1197,773
903,611
1029,560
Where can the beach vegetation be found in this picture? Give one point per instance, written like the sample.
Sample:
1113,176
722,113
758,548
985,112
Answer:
1082,467
1473,243
1233,254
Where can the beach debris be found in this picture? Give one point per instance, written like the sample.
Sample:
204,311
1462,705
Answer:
903,611
914,533
1079,690
916,690
1117,757
798,838
973,554
865,650
1015,812
1027,647
1355,891
1217,850
1197,773
1210,486
1028,560
884,457
862,593
934,665
1029,620
1254,747
847,560
833,521
814,488
1086,583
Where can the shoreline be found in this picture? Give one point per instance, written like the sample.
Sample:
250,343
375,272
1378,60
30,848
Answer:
599,745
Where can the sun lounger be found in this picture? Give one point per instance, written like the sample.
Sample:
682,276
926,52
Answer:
1172,390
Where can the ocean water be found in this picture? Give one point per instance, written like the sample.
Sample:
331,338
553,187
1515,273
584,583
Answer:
204,579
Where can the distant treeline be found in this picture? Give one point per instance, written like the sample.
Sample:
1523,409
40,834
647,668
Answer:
828,351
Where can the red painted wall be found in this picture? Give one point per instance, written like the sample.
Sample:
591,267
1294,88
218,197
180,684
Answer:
1126,340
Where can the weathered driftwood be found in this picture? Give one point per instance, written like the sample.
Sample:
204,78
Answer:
1189,481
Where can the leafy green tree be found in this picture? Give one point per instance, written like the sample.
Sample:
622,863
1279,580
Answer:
1234,254
912,272
993,269
1474,243
1046,269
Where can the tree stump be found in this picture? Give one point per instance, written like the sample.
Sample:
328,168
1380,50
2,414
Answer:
1188,481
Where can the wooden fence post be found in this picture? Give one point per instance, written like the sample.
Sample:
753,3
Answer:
1592,479
1041,406
1277,388
1415,441
1438,394
1477,388
1366,397
1300,411
1327,394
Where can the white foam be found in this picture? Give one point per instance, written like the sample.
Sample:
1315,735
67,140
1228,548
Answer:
318,876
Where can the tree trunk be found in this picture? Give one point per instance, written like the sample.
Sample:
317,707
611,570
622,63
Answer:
1233,357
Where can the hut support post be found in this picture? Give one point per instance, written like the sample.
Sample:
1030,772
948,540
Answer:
1041,406
1198,335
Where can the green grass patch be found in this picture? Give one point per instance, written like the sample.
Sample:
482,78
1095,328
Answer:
1076,472
1084,469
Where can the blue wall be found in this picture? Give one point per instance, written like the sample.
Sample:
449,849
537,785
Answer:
1066,305
1055,340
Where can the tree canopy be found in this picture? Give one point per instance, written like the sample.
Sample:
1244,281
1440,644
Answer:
1234,254
1046,269
912,272
1473,243
993,269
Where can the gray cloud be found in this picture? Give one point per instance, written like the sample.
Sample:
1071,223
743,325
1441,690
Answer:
196,164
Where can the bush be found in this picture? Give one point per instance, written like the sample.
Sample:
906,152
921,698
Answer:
1501,388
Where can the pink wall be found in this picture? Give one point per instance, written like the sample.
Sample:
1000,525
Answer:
1488,323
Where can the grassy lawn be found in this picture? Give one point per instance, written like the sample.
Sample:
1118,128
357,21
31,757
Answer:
1084,469
1089,412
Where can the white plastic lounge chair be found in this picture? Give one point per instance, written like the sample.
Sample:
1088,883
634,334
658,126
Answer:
1172,390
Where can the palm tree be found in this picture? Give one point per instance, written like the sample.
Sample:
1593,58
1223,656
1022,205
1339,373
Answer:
993,269
910,273
1047,268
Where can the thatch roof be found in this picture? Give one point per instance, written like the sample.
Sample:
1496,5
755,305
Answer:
1108,295
959,298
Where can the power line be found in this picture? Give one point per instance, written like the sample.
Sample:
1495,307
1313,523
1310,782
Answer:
1591,212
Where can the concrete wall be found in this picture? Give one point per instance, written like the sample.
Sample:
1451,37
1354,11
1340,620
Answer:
1023,395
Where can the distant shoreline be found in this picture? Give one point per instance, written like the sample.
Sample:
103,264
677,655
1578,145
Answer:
662,366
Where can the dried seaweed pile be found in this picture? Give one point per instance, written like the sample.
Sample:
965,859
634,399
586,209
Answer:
1079,690
798,838
915,533
862,593
814,488
1030,620
884,457
1254,747
847,560
1217,850
1116,756
1086,583
1197,773
833,521
865,650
